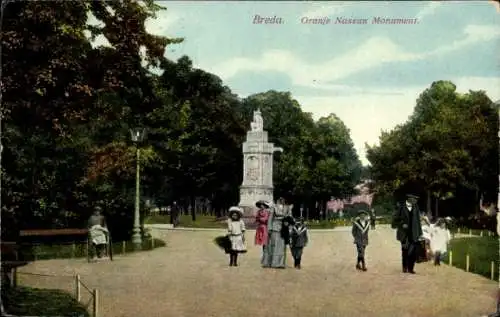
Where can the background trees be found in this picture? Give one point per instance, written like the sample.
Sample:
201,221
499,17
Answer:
447,151
68,106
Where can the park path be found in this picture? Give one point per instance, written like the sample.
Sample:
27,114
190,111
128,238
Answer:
190,277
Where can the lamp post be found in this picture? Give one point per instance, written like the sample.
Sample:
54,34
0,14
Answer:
137,136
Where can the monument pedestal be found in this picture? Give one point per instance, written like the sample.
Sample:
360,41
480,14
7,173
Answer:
257,169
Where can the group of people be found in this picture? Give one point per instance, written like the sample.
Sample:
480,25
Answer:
437,236
276,228
418,236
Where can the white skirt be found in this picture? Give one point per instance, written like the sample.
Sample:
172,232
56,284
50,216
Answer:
237,243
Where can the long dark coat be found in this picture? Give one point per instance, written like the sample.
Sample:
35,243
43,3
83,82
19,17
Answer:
360,232
298,236
402,217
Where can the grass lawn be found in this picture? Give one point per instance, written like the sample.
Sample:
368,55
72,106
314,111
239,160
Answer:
29,301
482,252
64,251
187,222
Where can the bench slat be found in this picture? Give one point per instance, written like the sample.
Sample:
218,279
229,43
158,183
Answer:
52,232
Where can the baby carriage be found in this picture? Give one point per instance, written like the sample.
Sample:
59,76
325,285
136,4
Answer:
99,242
423,251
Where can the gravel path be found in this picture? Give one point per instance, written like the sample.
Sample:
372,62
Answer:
191,278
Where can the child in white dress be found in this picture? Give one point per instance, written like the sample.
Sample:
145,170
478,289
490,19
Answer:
236,232
440,237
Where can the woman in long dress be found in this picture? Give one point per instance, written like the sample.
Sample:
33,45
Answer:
261,219
275,250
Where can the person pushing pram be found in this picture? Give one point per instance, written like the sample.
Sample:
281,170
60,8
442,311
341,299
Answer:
98,233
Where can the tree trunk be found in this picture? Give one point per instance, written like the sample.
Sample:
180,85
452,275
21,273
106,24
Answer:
436,208
192,205
429,203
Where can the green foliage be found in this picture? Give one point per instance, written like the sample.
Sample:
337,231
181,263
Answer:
447,151
27,301
69,105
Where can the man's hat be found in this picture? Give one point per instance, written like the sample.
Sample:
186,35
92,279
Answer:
362,212
262,203
412,196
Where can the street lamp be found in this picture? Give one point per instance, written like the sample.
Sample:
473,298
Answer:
137,136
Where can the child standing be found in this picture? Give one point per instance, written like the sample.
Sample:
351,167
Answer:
440,237
236,232
298,241
360,228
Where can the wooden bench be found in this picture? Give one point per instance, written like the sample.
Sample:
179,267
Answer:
10,262
52,232
66,232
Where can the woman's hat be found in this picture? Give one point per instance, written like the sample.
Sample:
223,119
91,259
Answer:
262,203
440,221
235,209
425,218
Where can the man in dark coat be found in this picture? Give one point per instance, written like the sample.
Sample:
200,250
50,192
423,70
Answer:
409,231
174,214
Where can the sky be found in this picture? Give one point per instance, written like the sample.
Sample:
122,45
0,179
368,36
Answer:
368,75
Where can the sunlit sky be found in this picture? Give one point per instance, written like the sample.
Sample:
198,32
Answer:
369,75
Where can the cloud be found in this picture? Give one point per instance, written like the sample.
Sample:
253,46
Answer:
429,9
322,10
473,34
371,53
366,115
163,22
100,40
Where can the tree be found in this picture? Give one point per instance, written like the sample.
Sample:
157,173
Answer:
446,150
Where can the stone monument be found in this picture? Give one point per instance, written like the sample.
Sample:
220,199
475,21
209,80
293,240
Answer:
257,168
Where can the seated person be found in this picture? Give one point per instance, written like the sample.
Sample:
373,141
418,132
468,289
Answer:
98,232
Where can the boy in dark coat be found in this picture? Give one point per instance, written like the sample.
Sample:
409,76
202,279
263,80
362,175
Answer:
409,231
360,228
298,240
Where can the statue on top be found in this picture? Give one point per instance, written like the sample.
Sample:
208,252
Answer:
257,123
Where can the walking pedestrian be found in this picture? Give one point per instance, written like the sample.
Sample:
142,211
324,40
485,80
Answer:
298,241
360,228
409,231
174,214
